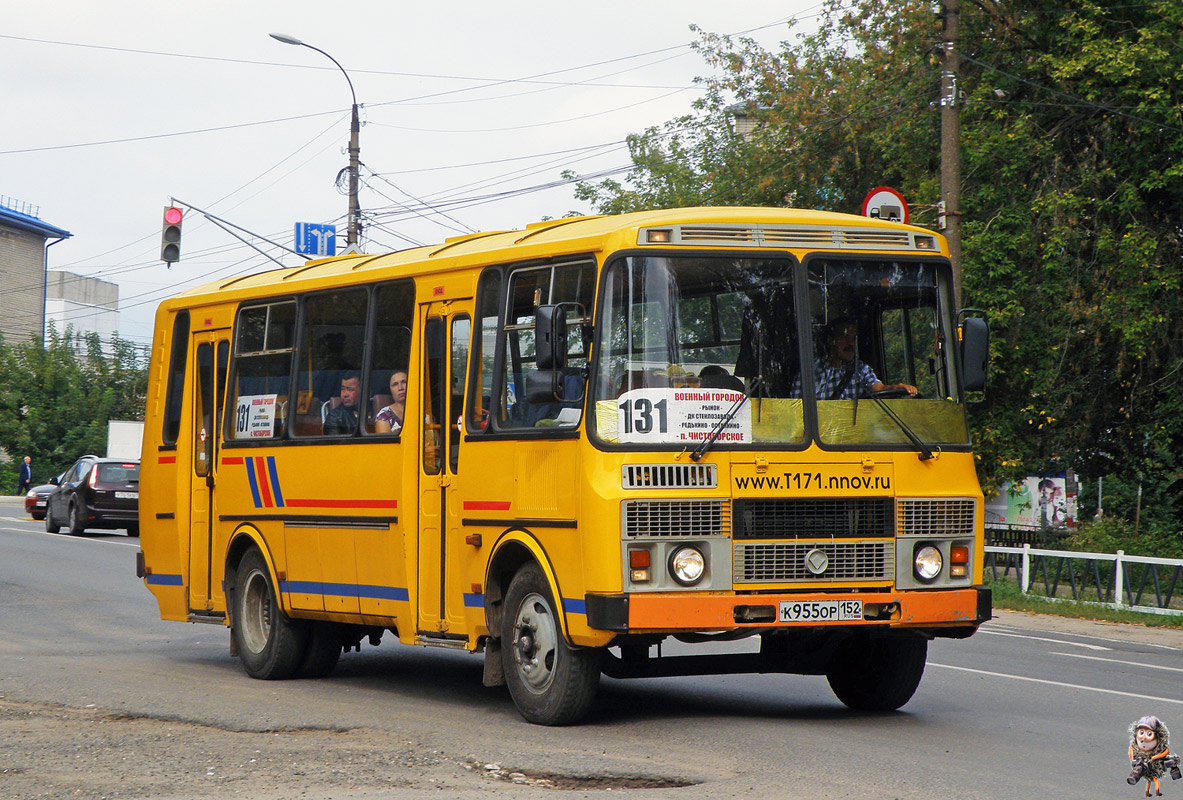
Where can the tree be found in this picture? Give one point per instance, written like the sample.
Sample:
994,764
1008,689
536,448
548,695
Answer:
1072,193
56,398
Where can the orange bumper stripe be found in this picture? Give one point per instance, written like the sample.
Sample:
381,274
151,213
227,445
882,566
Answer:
696,612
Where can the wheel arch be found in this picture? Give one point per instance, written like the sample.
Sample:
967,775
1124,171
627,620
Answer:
245,538
514,548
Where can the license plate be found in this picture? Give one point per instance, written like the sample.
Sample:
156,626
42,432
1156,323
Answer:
38,504
127,495
821,610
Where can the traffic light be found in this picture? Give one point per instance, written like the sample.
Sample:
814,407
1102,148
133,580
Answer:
170,236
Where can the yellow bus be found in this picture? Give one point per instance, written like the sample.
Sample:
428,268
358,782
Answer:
564,445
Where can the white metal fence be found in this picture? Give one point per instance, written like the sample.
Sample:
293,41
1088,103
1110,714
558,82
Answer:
1110,579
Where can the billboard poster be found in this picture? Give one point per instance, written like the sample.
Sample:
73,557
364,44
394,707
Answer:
1047,501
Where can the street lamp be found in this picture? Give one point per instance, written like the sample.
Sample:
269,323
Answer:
354,147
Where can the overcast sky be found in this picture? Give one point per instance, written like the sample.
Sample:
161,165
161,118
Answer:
113,108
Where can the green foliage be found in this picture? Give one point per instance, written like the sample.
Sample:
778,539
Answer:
1072,191
56,398
1113,534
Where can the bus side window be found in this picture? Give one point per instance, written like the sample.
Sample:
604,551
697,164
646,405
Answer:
263,348
484,348
561,283
390,350
332,337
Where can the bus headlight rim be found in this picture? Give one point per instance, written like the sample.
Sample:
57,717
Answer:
687,565
927,563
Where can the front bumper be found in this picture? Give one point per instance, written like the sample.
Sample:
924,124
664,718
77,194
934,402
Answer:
673,612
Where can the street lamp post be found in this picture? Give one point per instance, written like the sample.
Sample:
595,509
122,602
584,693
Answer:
354,228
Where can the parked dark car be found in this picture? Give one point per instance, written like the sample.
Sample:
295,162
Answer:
96,493
36,498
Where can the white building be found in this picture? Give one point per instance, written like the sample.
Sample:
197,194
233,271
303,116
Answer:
81,304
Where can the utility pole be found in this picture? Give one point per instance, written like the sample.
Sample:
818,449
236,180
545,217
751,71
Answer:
353,231
949,219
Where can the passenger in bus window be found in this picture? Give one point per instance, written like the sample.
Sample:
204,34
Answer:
838,375
342,419
390,418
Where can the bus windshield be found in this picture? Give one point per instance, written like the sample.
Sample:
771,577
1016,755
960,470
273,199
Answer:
881,329
698,348
684,338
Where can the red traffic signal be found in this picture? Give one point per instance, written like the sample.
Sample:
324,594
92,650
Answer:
170,236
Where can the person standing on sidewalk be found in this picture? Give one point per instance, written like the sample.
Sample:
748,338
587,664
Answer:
26,478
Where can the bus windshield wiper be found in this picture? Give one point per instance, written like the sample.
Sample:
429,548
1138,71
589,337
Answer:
702,449
924,451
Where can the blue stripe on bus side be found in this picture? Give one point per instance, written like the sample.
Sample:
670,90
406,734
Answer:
345,590
164,580
574,605
274,481
250,476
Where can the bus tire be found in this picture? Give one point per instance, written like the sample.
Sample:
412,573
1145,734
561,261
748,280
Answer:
323,650
270,645
878,674
76,521
551,683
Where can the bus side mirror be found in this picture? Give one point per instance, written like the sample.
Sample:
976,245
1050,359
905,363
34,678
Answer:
975,353
550,337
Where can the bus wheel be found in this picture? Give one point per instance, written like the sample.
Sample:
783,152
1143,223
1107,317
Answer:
270,645
880,674
551,683
323,650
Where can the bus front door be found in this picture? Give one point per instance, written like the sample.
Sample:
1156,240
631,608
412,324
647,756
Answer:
210,356
447,329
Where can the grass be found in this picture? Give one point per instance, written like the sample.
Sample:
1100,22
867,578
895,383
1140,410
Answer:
1008,596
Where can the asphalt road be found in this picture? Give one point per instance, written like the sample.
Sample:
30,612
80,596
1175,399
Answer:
100,698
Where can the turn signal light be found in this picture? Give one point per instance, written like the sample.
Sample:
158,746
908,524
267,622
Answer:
958,561
638,559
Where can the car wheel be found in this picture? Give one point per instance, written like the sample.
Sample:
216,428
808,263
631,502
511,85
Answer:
551,682
77,523
133,530
50,525
270,645
37,517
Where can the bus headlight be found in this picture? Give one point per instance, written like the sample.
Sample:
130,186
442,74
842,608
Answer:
927,563
687,565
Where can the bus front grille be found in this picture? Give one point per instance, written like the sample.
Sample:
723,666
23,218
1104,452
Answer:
785,562
669,476
936,516
691,518
784,518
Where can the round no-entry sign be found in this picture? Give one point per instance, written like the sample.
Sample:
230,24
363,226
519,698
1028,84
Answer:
884,202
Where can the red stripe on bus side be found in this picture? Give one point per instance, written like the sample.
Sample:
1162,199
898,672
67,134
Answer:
341,503
486,505
264,486
232,461
166,460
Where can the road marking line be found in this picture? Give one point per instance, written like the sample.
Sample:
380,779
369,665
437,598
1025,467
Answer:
1045,639
1058,683
1115,661
1088,636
